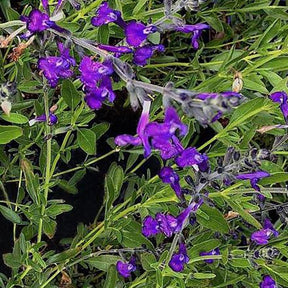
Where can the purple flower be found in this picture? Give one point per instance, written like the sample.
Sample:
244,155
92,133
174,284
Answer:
105,15
92,72
196,31
162,134
96,80
150,227
212,252
179,259
262,236
42,118
119,50
268,282
142,54
142,138
166,224
136,33
57,67
281,97
125,269
38,21
191,157
254,178
168,175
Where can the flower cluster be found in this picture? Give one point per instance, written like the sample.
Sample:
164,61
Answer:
97,83
136,35
57,67
166,223
268,282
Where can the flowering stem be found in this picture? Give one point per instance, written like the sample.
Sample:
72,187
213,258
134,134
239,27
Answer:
48,163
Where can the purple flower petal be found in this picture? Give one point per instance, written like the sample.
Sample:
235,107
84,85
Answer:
196,31
142,54
168,175
125,269
212,252
191,157
179,259
136,33
281,97
268,282
262,236
105,15
150,227
254,178
55,68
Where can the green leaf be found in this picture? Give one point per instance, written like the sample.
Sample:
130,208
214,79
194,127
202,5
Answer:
10,215
70,94
15,118
49,227
11,261
68,187
9,133
100,129
146,260
111,277
32,182
216,221
244,214
275,178
139,6
204,275
103,262
57,209
103,34
87,140
61,257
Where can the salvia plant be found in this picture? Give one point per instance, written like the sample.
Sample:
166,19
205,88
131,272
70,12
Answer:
186,102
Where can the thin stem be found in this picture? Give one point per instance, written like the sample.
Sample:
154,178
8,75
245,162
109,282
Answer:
48,163
16,206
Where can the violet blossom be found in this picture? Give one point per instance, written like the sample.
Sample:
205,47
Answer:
142,54
125,269
96,80
268,282
166,223
196,31
191,157
42,118
105,15
38,21
136,33
57,67
169,176
163,134
282,98
142,138
212,252
262,236
254,178
179,259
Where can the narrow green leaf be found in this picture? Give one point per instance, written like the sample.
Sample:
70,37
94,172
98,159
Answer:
111,277
244,214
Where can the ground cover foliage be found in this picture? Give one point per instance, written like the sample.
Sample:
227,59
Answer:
194,194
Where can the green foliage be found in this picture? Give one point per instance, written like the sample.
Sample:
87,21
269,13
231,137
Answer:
250,37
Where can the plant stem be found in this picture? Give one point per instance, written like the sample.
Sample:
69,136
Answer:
48,164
